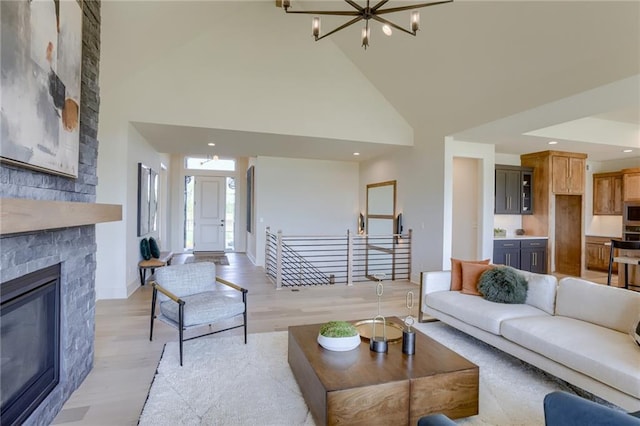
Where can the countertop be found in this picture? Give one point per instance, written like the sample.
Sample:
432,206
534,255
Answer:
521,237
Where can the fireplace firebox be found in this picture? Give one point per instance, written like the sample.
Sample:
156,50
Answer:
29,342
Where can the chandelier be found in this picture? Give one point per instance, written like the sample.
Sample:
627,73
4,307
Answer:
365,13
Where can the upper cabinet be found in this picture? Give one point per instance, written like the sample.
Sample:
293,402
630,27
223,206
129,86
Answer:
607,193
631,184
567,172
513,193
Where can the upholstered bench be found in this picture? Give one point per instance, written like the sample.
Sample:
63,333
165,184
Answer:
153,263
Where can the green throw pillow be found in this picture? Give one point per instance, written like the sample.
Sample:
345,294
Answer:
145,251
503,284
153,248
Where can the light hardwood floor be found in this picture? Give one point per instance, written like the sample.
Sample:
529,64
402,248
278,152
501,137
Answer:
125,360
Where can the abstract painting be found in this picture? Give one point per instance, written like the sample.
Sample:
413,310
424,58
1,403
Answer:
41,58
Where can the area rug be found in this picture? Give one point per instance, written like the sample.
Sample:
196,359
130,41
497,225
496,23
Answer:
224,382
217,259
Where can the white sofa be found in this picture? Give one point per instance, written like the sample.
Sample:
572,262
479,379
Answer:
573,329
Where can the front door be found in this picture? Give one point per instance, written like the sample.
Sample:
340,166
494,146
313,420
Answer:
209,213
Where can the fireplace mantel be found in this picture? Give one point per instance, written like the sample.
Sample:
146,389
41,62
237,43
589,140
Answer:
24,215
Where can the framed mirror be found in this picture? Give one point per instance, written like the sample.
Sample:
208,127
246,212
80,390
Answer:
380,227
144,185
147,200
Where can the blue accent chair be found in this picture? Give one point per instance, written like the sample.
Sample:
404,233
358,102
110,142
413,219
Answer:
563,409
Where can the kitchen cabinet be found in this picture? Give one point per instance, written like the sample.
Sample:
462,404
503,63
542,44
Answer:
513,190
506,252
525,254
597,251
607,193
533,256
631,184
567,174
558,212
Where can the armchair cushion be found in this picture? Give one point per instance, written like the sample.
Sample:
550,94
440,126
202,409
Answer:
187,279
203,308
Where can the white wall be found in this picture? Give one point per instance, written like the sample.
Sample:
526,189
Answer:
138,151
486,182
465,231
304,197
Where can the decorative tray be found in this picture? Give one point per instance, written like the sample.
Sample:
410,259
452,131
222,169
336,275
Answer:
365,328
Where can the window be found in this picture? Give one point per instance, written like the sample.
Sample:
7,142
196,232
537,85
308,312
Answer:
210,163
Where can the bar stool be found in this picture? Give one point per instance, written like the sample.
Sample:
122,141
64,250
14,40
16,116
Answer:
626,260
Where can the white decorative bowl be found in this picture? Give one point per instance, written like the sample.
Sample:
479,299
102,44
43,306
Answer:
339,343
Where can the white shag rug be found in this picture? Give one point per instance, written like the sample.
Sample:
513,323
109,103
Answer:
224,382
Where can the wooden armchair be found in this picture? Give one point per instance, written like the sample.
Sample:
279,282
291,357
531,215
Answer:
189,297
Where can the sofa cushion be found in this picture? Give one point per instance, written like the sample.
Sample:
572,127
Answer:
456,271
541,291
602,353
477,311
610,307
470,275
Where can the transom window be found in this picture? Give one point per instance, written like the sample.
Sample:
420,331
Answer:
210,163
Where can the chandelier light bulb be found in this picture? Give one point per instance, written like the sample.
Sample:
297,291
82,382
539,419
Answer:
365,37
415,21
315,26
386,29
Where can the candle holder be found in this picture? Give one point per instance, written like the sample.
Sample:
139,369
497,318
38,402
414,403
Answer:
379,343
408,335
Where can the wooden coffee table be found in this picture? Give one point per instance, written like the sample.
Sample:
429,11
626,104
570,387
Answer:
365,387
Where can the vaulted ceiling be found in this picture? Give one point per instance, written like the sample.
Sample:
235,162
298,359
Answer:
517,74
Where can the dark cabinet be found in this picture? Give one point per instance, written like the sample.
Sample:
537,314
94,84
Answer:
527,255
533,256
507,252
513,190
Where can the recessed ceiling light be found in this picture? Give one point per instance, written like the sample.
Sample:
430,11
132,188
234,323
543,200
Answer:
553,143
211,144
627,150
386,29
356,153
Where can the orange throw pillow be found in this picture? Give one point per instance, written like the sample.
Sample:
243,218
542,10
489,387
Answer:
470,275
456,272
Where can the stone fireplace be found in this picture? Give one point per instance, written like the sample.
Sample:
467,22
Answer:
30,336
71,249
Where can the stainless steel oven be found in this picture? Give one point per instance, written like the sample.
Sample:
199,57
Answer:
631,221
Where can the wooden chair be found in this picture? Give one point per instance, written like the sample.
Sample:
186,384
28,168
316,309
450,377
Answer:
189,298
626,260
